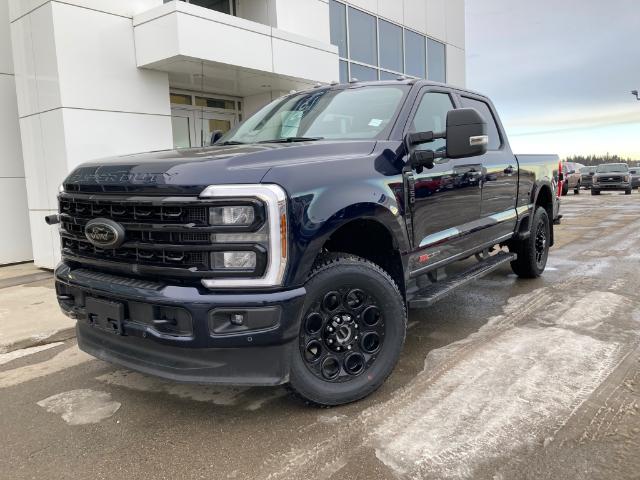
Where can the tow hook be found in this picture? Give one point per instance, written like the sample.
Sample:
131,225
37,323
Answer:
52,219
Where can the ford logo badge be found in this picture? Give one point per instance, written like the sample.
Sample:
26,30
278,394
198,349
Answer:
104,233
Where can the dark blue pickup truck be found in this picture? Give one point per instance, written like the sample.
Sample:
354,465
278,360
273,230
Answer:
289,251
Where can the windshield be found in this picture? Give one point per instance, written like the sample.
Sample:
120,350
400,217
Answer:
587,169
613,168
353,113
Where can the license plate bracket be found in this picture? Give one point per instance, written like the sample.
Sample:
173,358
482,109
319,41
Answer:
105,315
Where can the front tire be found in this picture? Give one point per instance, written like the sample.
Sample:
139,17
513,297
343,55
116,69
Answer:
594,191
565,188
627,192
351,334
576,191
534,250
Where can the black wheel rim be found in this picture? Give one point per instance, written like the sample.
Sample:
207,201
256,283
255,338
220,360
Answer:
541,245
339,341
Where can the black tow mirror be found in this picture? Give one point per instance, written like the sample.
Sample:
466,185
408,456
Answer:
466,133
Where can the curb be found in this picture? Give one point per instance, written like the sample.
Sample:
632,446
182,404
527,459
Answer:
41,339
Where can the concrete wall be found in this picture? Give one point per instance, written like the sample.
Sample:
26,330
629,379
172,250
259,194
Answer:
80,97
15,241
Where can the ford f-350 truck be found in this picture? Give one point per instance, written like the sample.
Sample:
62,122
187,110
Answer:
290,251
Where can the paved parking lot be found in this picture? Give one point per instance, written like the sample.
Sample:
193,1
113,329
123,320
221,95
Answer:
505,379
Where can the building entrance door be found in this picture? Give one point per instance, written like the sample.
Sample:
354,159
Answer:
194,118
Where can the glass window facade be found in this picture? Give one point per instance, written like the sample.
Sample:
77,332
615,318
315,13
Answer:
436,64
415,54
391,49
338,20
363,45
373,48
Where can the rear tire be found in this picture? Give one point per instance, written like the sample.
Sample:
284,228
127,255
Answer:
533,251
565,188
627,192
352,331
594,191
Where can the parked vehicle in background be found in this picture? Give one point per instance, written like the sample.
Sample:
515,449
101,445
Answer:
611,176
290,250
572,177
586,176
634,172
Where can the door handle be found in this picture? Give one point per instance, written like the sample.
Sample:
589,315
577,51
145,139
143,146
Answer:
509,170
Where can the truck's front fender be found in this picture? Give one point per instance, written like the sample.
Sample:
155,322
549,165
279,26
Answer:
317,215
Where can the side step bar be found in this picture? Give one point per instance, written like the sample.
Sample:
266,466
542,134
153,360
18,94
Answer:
433,293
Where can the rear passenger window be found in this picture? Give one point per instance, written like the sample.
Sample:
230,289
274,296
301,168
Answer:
492,127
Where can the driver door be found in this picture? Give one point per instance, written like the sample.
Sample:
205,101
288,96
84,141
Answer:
448,196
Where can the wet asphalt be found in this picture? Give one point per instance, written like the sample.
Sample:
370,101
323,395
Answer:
506,378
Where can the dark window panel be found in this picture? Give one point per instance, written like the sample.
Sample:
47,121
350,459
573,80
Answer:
338,21
388,75
391,55
431,116
362,37
436,61
362,73
344,72
415,54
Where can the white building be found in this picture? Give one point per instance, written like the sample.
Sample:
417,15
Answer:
84,79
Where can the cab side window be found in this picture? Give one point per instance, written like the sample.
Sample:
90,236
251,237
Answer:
431,116
492,128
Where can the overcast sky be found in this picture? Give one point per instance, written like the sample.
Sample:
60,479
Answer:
559,72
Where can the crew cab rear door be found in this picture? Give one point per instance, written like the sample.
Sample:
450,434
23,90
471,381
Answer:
500,174
447,196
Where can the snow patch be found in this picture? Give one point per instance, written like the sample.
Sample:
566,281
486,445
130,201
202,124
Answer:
14,355
81,407
199,393
503,396
63,360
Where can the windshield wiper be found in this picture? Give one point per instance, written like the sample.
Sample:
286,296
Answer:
230,142
292,139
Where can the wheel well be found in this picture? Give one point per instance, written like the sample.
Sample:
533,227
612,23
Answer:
545,200
371,240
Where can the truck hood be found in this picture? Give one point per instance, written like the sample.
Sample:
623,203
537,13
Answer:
189,171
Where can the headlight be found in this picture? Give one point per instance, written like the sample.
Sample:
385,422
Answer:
252,236
233,215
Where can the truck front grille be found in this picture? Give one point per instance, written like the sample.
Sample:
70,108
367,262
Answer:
164,236
610,179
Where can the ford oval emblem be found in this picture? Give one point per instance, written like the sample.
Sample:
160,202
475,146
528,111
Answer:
104,233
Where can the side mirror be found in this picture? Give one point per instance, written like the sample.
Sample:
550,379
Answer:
466,133
215,136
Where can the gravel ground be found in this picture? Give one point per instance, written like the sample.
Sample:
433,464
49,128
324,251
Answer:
504,379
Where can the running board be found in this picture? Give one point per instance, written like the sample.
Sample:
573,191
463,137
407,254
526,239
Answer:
428,296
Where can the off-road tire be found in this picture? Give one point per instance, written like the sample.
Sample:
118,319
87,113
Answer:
333,272
532,256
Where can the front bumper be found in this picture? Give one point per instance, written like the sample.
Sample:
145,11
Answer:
622,186
202,346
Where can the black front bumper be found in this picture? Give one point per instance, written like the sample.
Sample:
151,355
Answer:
182,332
620,186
